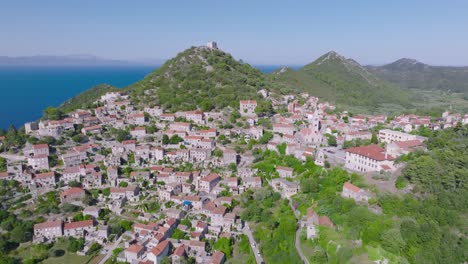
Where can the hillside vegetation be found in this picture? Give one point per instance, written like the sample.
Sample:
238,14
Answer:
206,79
86,98
413,74
344,82
200,78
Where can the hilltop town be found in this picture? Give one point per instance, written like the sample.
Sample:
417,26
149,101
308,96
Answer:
139,184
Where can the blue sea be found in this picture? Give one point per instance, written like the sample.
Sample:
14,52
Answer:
27,91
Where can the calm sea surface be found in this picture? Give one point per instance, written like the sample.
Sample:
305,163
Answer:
26,91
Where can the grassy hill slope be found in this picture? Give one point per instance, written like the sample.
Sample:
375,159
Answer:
199,78
410,73
344,82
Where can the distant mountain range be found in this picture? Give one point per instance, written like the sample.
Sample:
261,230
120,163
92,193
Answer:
410,73
71,60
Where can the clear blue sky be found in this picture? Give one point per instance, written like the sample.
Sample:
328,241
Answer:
259,32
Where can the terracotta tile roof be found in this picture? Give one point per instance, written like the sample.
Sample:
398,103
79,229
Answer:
284,168
211,177
408,143
79,224
74,169
325,221
180,251
217,258
248,102
42,156
40,146
159,249
351,187
44,175
135,248
374,152
49,224
71,191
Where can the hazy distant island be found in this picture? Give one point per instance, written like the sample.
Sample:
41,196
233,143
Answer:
72,60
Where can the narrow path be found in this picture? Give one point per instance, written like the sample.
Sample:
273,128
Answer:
298,234
253,245
110,249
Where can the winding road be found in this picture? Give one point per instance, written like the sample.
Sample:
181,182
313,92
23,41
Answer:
298,234
253,245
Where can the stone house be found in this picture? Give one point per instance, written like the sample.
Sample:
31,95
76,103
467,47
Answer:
78,229
48,230
209,182
285,172
39,162
247,107
370,158
353,192
72,195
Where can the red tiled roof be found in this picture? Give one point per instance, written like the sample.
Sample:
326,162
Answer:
217,257
284,168
48,224
40,146
72,191
159,249
44,175
374,152
325,221
408,143
180,251
351,187
128,142
135,248
211,177
79,224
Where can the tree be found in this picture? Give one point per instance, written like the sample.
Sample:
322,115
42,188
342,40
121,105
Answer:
175,139
267,136
3,164
75,245
224,245
392,241
93,249
178,234
78,138
165,139
122,135
374,139
52,113
264,108
217,152
282,148
127,225
331,139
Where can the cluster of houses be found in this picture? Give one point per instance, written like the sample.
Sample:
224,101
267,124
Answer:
143,159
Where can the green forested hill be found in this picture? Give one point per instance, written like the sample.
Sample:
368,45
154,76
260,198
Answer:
200,78
212,79
344,82
410,73
86,98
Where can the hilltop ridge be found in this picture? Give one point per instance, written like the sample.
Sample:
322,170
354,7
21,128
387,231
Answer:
345,82
200,77
410,73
